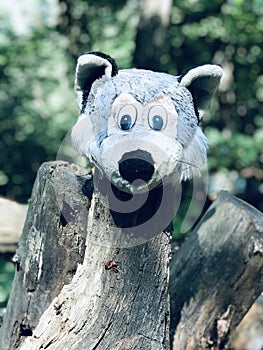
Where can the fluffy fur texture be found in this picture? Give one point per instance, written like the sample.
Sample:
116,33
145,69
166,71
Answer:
178,148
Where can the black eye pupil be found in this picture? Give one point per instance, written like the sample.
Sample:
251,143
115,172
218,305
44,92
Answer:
126,122
157,122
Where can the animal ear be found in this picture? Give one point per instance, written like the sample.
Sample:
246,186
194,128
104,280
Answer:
90,67
202,82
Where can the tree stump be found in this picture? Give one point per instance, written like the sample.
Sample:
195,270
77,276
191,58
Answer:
63,297
97,308
217,275
50,248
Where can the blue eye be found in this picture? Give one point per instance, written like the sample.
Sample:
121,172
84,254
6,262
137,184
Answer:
156,122
127,117
126,122
157,117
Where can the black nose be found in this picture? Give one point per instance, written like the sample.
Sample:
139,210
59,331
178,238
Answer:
136,165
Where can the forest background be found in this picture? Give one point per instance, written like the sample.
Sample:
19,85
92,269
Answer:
40,41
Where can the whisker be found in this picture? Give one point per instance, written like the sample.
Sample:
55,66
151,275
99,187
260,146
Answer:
190,164
186,166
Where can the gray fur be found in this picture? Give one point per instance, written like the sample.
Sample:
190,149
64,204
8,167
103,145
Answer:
184,151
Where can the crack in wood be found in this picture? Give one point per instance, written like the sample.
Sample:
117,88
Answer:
148,337
102,335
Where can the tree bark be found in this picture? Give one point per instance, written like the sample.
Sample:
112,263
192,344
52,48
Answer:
98,308
216,275
50,248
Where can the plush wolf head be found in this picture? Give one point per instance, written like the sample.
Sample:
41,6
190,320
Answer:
139,127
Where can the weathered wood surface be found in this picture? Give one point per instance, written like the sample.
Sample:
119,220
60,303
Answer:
51,246
98,308
216,275
63,298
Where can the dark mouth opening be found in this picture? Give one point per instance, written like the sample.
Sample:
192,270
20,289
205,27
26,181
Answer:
136,165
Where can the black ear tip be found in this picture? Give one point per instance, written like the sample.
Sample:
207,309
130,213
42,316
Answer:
108,58
92,66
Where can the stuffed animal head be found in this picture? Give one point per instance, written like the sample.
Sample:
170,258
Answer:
141,128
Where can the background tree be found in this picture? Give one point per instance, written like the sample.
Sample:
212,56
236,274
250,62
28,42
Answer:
151,40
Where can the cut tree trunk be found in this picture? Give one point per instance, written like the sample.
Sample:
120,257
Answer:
98,308
217,275
51,246
64,298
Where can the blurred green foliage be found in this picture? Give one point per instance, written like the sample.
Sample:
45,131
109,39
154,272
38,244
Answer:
34,110
7,270
230,34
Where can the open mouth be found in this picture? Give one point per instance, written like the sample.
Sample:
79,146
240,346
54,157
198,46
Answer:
136,165
136,172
